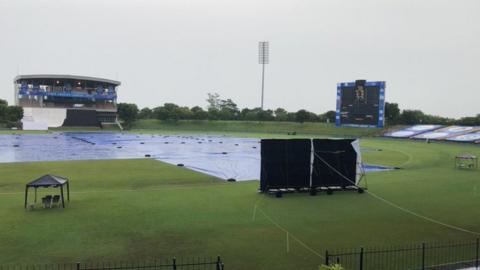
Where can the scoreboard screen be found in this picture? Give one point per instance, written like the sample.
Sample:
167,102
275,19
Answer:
360,103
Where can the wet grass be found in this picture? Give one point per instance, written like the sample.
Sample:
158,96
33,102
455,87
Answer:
130,210
268,127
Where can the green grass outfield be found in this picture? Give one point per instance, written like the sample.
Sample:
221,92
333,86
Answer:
270,127
135,210
243,128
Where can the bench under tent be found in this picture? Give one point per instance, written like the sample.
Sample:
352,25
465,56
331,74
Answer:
47,181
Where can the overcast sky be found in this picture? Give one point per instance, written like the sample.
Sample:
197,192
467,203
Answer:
428,51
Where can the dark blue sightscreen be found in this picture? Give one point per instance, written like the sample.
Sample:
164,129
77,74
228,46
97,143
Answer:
287,163
360,104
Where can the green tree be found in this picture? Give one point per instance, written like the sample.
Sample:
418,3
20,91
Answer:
3,111
281,114
169,111
213,101
224,109
265,115
257,114
469,121
228,109
251,115
301,116
213,114
145,113
392,113
14,114
184,113
127,112
313,117
244,113
330,116
198,113
412,117
291,116
437,120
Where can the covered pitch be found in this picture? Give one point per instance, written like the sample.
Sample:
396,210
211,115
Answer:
220,156
311,164
54,100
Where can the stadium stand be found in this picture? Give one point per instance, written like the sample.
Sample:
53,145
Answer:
437,132
411,131
473,137
55,100
444,133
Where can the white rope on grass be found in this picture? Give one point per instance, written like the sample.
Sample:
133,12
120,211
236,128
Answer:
288,244
409,157
291,235
400,207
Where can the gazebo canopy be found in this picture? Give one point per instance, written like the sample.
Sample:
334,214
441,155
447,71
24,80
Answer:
466,156
46,181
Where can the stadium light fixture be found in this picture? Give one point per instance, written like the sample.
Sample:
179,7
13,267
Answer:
263,59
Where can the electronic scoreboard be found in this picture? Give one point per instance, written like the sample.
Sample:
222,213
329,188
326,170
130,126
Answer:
361,104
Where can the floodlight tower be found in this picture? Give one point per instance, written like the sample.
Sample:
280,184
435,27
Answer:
263,59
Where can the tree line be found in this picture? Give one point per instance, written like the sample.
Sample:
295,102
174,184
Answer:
218,109
395,116
10,116
227,109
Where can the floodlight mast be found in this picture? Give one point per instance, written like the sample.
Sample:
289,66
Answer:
263,59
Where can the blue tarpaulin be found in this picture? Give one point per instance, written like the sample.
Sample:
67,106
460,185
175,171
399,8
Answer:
220,156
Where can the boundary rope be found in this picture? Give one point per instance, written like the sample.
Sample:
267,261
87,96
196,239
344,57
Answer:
289,233
378,197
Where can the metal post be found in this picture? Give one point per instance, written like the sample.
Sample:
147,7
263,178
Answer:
263,59
174,264
219,262
26,196
326,258
263,82
423,256
78,266
63,200
361,258
478,248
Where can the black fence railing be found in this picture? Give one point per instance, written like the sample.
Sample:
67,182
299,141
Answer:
173,264
450,256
